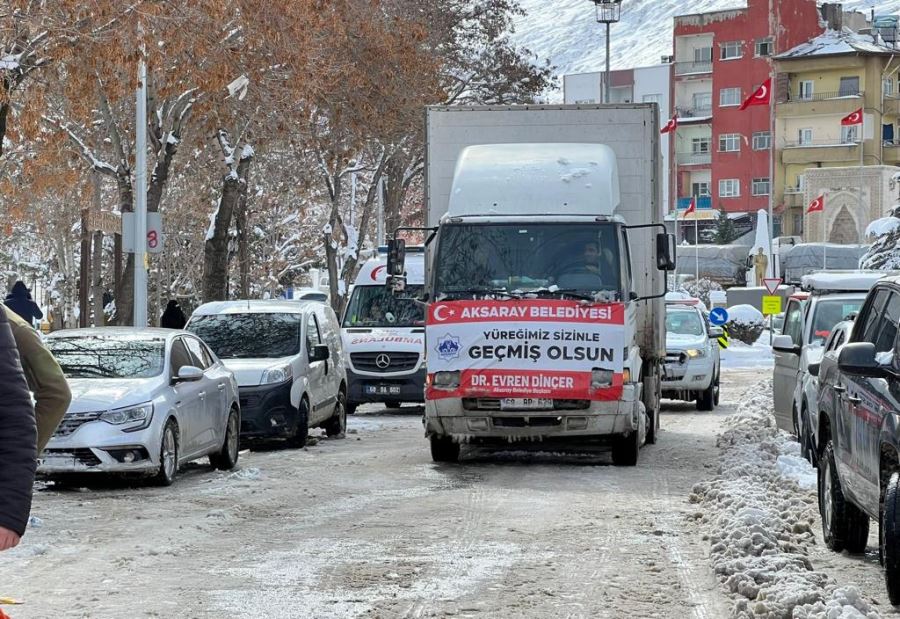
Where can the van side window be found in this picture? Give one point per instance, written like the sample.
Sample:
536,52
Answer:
313,337
792,322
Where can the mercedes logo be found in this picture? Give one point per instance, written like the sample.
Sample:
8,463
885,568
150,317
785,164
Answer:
382,361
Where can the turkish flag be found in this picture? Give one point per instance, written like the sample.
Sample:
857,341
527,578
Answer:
817,205
853,118
692,208
760,96
671,126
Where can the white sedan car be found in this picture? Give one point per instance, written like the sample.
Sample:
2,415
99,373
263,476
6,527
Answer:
692,365
144,401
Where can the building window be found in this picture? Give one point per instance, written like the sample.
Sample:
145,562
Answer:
729,142
652,98
702,100
806,89
887,87
700,146
849,86
700,190
729,96
760,186
730,50
798,225
762,140
702,54
763,47
805,137
729,188
849,135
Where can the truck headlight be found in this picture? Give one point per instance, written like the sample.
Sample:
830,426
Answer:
601,378
277,375
446,380
695,353
140,415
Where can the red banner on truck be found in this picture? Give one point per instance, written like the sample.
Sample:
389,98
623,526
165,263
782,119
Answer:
525,348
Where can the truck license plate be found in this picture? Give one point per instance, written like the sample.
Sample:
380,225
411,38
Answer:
518,404
383,389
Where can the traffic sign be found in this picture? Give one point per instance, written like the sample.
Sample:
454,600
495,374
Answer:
772,283
771,304
718,316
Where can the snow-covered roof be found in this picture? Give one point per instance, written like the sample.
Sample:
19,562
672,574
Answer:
856,281
374,271
253,307
834,43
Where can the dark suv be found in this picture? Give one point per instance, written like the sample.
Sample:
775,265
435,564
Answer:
859,433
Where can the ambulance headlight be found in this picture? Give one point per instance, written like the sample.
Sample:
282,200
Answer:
601,378
446,380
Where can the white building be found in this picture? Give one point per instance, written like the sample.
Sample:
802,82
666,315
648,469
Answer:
638,85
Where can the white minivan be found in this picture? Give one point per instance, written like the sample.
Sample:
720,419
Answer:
384,336
288,360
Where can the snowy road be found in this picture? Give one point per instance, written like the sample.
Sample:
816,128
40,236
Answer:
368,526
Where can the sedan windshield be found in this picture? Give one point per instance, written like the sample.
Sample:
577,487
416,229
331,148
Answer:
108,357
375,306
682,322
483,258
828,313
249,336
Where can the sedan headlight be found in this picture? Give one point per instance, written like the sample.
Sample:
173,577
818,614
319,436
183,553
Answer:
447,381
277,375
140,415
695,353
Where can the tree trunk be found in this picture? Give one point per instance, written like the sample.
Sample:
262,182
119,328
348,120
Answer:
125,291
329,237
97,280
215,254
394,194
243,232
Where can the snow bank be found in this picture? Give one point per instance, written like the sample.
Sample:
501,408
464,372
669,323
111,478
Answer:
882,226
745,313
758,512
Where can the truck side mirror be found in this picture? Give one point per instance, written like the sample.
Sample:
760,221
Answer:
395,279
665,251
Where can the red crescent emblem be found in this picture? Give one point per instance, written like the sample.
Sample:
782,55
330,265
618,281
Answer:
376,271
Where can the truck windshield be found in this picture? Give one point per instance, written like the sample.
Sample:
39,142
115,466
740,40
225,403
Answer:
375,306
829,312
580,258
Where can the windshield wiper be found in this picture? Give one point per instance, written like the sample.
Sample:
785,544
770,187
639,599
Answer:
564,292
503,292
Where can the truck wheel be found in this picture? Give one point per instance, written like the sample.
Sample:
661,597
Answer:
890,538
652,427
298,438
625,449
844,526
444,449
707,399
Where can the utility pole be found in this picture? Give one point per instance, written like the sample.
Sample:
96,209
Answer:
140,202
84,277
608,12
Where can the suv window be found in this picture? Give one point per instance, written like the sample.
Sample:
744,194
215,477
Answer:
887,324
180,356
866,326
313,338
792,322
199,353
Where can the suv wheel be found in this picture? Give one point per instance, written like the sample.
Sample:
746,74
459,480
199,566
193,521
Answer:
707,399
890,538
626,448
718,386
844,526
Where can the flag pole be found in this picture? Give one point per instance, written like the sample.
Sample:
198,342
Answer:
771,180
696,243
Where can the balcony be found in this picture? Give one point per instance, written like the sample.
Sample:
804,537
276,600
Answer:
820,151
819,103
891,152
791,189
691,158
793,97
693,68
687,113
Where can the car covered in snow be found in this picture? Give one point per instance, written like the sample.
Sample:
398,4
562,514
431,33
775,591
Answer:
692,366
288,360
384,335
828,298
859,433
144,401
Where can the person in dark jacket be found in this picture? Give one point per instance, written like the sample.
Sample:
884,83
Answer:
18,442
19,300
173,317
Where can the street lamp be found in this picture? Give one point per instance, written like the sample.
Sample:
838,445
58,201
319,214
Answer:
608,12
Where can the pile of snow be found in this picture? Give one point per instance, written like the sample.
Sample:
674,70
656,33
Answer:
740,355
745,314
758,512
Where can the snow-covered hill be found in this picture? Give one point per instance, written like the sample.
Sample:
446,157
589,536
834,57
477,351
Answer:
565,31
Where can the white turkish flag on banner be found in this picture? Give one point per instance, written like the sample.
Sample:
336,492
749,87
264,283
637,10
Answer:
671,126
817,205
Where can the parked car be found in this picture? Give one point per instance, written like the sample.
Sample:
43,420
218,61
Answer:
828,297
859,437
289,364
144,401
809,407
692,365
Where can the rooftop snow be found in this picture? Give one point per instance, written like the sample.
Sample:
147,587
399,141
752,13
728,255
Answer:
834,43
855,281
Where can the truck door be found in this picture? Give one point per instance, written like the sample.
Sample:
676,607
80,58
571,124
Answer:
787,367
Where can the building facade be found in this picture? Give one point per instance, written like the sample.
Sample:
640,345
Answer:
720,58
638,85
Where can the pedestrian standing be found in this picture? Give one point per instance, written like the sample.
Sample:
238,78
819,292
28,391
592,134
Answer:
18,442
173,317
19,300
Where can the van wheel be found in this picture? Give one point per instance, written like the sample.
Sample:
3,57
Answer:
707,399
393,404
168,455
298,439
226,458
626,448
844,526
890,538
444,449
337,424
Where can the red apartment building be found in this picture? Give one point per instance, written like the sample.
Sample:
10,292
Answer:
721,58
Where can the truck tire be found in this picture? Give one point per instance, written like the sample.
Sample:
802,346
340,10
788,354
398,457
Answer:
706,401
626,448
652,427
844,526
890,538
444,449
651,397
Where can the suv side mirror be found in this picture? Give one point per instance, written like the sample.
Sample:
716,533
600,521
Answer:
188,374
858,359
665,251
320,353
813,369
785,343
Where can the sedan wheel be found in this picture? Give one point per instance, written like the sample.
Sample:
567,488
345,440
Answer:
168,455
226,458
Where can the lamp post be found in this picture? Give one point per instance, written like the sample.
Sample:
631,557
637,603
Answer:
608,12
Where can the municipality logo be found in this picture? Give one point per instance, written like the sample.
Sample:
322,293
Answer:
448,348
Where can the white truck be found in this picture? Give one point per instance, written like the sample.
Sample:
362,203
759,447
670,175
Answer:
545,277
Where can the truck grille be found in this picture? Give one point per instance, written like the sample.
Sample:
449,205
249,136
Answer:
493,404
675,356
384,362
73,421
